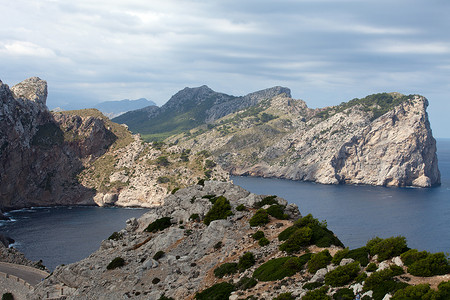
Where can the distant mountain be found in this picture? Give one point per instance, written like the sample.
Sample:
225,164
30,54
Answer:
189,108
116,108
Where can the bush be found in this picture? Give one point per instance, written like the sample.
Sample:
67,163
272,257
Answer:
285,234
218,245
7,296
195,217
387,248
415,292
372,267
269,200
226,269
263,242
162,161
220,210
319,294
318,261
258,235
284,296
240,207
344,294
359,254
277,211
312,285
116,263
156,280
158,255
219,291
411,256
340,255
299,239
246,283
261,217
433,264
279,268
163,297
115,236
246,261
342,274
381,282
163,179
159,224
174,190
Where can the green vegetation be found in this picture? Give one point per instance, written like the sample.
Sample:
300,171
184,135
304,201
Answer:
258,235
158,255
279,268
359,254
382,282
246,283
263,242
115,236
344,294
372,267
432,264
312,285
241,207
269,200
7,296
284,296
342,275
246,261
318,294
226,269
159,224
318,261
387,248
261,217
296,241
156,280
220,210
116,263
277,211
219,291
195,218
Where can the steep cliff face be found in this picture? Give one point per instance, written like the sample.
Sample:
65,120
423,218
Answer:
383,139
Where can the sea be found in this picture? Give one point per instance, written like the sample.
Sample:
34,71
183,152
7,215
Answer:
356,214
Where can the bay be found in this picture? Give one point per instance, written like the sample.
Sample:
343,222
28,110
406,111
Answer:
358,213
63,235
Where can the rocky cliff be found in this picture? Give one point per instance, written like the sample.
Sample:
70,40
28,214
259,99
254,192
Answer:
81,157
383,139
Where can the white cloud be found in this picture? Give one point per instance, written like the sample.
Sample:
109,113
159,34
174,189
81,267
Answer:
24,48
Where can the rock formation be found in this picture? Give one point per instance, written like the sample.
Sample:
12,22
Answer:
383,139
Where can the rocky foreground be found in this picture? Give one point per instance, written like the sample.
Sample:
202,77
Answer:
244,246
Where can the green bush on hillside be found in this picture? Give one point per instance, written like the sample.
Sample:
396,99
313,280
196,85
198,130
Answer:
158,255
220,210
344,294
263,242
159,225
299,239
382,282
246,261
318,294
277,211
318,261
116,263
342,274
240,207
219,291
115,236
284,296
258,235
268,200
246,283
433,264
7,296
387,248
226,269
261,217
279,268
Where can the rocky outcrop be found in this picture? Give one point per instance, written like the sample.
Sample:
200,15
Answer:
383,139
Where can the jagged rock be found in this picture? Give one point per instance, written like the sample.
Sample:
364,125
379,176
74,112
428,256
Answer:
3,217
320,275
346,261
397,261
383,265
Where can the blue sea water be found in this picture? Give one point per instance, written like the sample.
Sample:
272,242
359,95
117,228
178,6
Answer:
62,235
358,213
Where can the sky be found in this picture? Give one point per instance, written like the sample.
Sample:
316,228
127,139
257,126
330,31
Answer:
325,51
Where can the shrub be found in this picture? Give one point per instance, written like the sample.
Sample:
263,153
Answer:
174,190
413,255
312,285
162,161
318,261
220,210
159,224
381,282
226,269
359,254
433,264
361,277
444,290
246,261
299,239
163,297
261,217
279,268
415,292
240,207
269,200
201,182
340,255
258,235
116,263
372,267
246,283
218,245
156,280
7,296
195,217
285,234
344,294
284,296
263,242
158,255
342,274
319,294
277,211
115,236
209,164
219,291
387,248
163,179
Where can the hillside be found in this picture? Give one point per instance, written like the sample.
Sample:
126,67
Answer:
382,139
113,109
189,108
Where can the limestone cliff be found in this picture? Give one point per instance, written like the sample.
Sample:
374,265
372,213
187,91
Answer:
81,157
383,139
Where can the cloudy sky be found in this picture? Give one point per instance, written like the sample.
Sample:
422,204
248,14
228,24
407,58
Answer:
325,51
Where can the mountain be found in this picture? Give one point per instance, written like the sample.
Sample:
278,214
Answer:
188,109
112,109
81,157
382,139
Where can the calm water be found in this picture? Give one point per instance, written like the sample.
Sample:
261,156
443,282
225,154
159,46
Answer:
359,213
62,235
355,213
